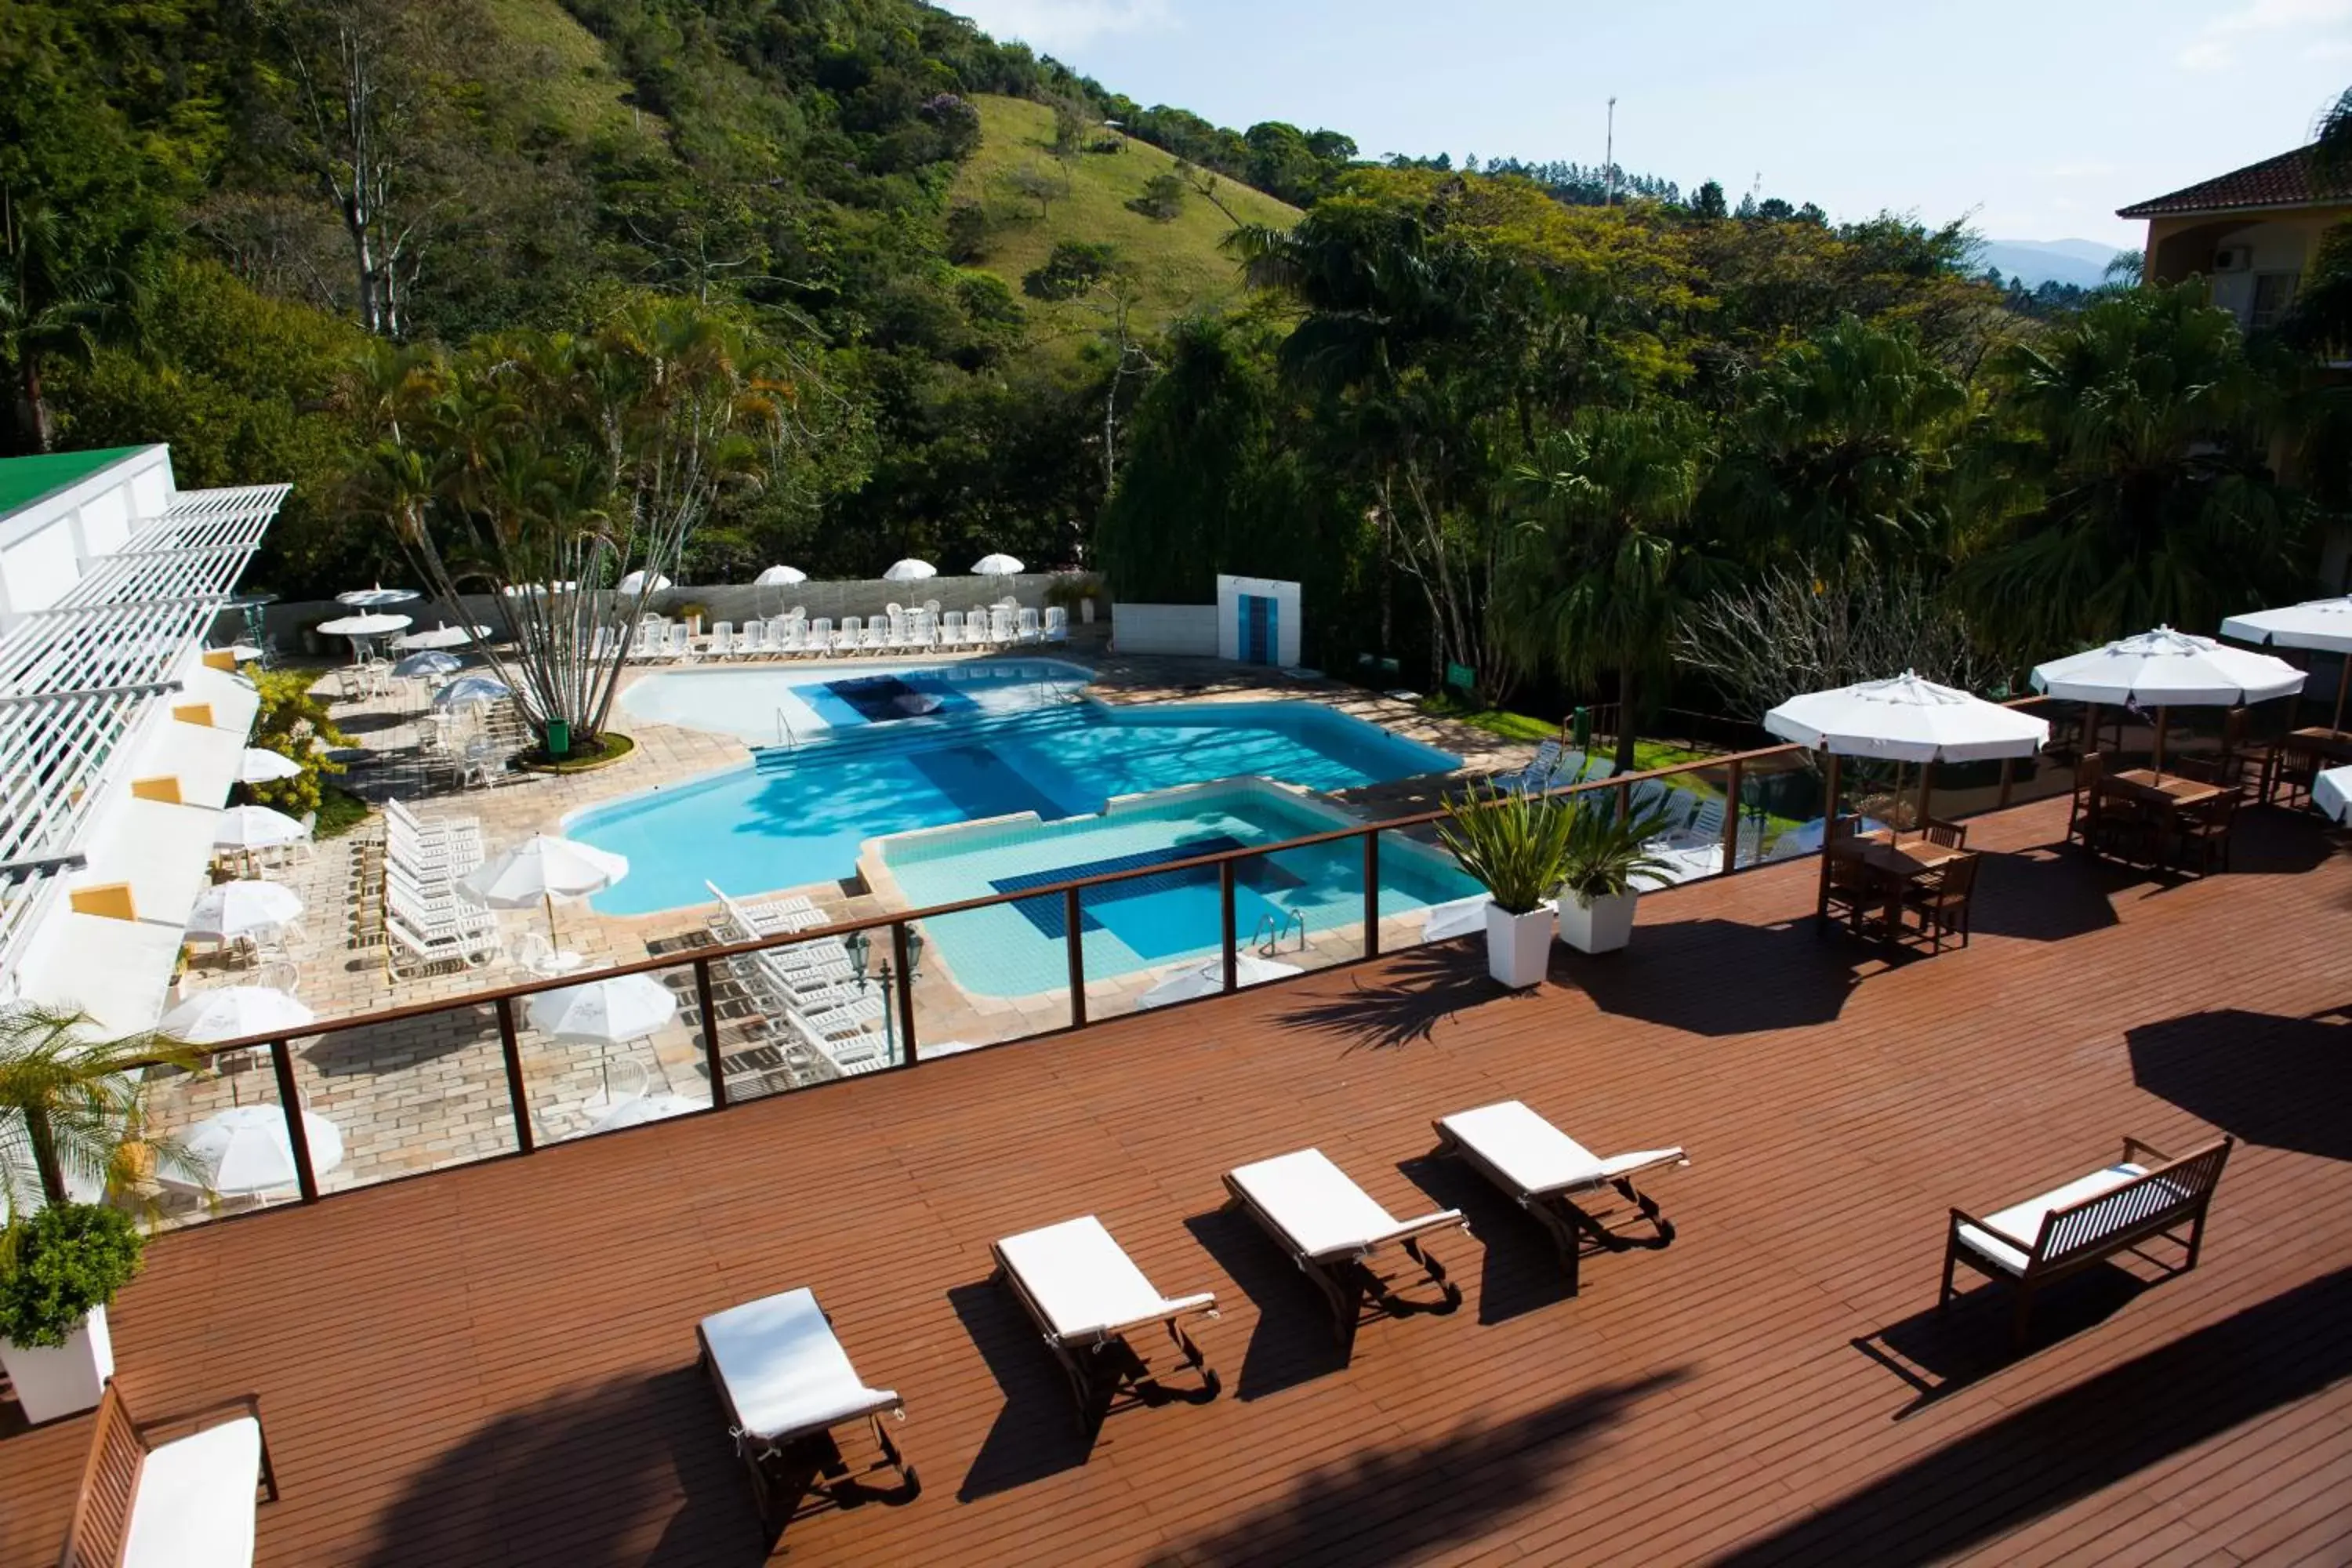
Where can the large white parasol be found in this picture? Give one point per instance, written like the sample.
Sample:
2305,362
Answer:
909,570
1209,979
260,764
2165,669
235,1012
2322,624
246,1150
605,1011
240,909
542,869
997,566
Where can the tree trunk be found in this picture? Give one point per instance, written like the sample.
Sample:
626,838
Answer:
34,409
1628,692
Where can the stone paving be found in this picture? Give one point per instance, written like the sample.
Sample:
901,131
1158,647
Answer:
415,1094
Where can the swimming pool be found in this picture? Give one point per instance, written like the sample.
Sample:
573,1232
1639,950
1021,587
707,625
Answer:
1019,949
800,816
775,704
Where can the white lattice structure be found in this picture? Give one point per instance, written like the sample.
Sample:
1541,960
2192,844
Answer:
108,581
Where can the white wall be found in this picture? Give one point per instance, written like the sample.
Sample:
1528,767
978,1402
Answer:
1165,628
48,545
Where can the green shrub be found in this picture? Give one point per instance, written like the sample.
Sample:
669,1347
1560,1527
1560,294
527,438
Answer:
1603,852
292,717
1076,266
70,1257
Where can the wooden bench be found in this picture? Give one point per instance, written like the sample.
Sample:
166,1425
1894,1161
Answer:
2147,1192
186,1501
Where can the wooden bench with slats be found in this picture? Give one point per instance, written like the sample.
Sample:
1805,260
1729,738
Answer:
152,1501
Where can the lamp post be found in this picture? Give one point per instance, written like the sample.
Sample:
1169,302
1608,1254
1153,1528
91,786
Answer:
860,949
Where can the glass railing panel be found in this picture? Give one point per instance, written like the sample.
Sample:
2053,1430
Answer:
989,976
1781,809
1425,896
612,1052
1155,940
789,1016
409,1095
217,1142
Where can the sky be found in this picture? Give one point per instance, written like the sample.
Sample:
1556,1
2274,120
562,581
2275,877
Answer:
2035,122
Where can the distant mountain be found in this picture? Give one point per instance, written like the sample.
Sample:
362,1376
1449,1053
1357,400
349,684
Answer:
2081,262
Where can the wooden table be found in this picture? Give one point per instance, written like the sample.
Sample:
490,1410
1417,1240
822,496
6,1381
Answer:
1897,863
2179,791
2174,796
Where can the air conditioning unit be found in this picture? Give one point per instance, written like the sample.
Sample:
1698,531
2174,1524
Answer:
2233,258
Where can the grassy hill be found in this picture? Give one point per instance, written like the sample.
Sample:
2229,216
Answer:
1177,261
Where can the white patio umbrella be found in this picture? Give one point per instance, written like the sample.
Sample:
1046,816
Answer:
232,1012
638,1110
243,653
1209,979
780,577
2322,624
2331,792
997,566
260,764
360,627
252,827
376,597
246,1150
1905,720
909,570
542,869
635,582
440,637
239,909
468,690
2164,668
432,661
606,1012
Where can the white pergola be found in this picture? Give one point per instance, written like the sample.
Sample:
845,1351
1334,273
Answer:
81,677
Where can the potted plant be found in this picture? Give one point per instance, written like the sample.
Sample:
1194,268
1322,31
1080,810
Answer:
1605,855
62,1266
1513,842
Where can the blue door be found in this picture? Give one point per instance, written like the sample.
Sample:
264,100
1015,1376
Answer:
1261,625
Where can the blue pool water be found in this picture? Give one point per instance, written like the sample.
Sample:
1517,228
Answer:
1020,949
767,704
800,816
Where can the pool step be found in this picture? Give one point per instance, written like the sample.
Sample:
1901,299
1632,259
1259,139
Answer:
904,735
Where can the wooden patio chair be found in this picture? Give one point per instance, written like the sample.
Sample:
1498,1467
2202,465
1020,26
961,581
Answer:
1544,1171
2202,831
1333,1229
1942,898
1947,835
2082,820
2090,1219
188,1500
1851,891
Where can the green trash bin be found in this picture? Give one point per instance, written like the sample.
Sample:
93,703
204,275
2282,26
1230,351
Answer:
559,738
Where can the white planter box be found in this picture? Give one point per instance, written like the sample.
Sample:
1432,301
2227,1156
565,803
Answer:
64,1381
1519,947
1603,925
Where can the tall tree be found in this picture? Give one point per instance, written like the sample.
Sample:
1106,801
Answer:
1610,552
2136,438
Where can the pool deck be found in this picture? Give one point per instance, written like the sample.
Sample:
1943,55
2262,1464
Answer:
496,1366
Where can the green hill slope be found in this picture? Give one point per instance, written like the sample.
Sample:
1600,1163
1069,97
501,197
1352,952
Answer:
1177,263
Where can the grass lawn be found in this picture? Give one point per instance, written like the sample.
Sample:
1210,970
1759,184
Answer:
1182,267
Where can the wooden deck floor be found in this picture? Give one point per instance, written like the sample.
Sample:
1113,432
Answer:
496,1366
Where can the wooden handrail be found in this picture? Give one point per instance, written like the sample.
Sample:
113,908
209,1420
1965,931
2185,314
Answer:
1077,885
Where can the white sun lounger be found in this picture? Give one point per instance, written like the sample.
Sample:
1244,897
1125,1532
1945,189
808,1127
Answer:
1332,1229
1086,1295
786,1384
1542,1170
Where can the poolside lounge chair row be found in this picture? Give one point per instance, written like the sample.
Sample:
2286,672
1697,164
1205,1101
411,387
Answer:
796,637
787,1384
428,918
809,993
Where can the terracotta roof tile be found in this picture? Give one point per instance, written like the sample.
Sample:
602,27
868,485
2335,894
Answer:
2283,181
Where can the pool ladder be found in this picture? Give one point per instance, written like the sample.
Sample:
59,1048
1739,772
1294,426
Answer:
1268,938
784,736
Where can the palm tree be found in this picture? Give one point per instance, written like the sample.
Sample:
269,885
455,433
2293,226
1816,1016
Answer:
49,314
1610,554
1840,452
2331,150
73,1107
2138,447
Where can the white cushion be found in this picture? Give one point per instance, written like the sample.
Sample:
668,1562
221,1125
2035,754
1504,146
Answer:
783,1370
1084,1282
1536,1156
1316,1205
2024,1220
196,1501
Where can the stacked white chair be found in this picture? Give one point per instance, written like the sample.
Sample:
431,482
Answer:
1058,624
1001,625
1028,630
427,918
